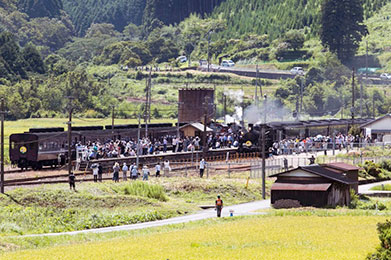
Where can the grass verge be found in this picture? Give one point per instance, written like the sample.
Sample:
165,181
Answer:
292,235
48,209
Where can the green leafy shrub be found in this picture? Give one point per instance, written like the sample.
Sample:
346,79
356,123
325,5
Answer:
372,168
384,251
144,189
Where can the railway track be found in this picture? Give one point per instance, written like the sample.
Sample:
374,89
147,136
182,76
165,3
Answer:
181,157
178,166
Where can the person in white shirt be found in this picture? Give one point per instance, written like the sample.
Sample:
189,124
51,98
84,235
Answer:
202,167
166,168
95,170
124,172
157,169
145,173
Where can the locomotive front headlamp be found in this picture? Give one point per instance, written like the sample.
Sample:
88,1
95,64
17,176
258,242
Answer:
23,149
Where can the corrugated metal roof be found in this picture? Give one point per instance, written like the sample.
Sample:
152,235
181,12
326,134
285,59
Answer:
342,166
302,187
324,172
317,123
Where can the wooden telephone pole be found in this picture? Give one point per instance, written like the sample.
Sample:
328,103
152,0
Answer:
256,100
204,136
70,109
147,111
112,121
353,97
2,112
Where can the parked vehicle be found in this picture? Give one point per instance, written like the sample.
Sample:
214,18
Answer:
227,63
297,71
385,76
182,59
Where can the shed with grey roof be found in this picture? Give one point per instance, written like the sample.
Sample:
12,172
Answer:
316,185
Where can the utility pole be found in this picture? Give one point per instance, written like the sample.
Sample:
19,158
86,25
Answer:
353,97
225,107
256,85
112,121
208,49
138,140
265,108
2,112
263,161
301,95
361,101
147,111
264,148
366,61
204,136
70,109
373,106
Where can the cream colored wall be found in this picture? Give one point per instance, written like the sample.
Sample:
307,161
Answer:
383,124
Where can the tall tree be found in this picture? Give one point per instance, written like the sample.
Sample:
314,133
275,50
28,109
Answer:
342,27
41,8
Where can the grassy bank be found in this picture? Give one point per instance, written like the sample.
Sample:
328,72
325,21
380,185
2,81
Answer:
54,208
302,235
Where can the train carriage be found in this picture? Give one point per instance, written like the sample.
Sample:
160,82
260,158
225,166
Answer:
49,146
36,150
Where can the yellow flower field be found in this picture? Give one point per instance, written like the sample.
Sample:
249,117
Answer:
268,237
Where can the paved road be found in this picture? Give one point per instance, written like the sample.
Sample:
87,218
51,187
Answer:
365,188
239,210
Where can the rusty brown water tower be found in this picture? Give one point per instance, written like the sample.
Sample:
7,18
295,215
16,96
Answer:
192,104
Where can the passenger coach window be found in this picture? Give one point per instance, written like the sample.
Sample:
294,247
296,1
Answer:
13,145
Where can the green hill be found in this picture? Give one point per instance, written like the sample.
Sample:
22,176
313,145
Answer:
379,28
122,12
274,17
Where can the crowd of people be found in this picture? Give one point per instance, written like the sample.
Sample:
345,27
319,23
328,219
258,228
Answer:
135,171
313,144
146,146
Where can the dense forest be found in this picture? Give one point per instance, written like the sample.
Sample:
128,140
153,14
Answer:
122,12
274,17
50,49
119,13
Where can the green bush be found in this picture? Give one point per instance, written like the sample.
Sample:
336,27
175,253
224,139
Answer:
144,189
371,168
384,251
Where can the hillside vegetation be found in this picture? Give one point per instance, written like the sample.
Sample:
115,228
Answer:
275,17
55,208
91,50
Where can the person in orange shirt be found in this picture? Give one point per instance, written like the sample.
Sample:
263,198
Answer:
219,206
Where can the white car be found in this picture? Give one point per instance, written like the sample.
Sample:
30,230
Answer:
297,71
182,59
227,63
385,76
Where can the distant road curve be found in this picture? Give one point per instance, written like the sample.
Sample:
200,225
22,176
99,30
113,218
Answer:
266,74
276,74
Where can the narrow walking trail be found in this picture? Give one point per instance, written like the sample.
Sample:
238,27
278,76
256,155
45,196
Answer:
239,210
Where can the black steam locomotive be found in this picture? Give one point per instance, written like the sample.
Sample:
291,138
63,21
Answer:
252,140
49,146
